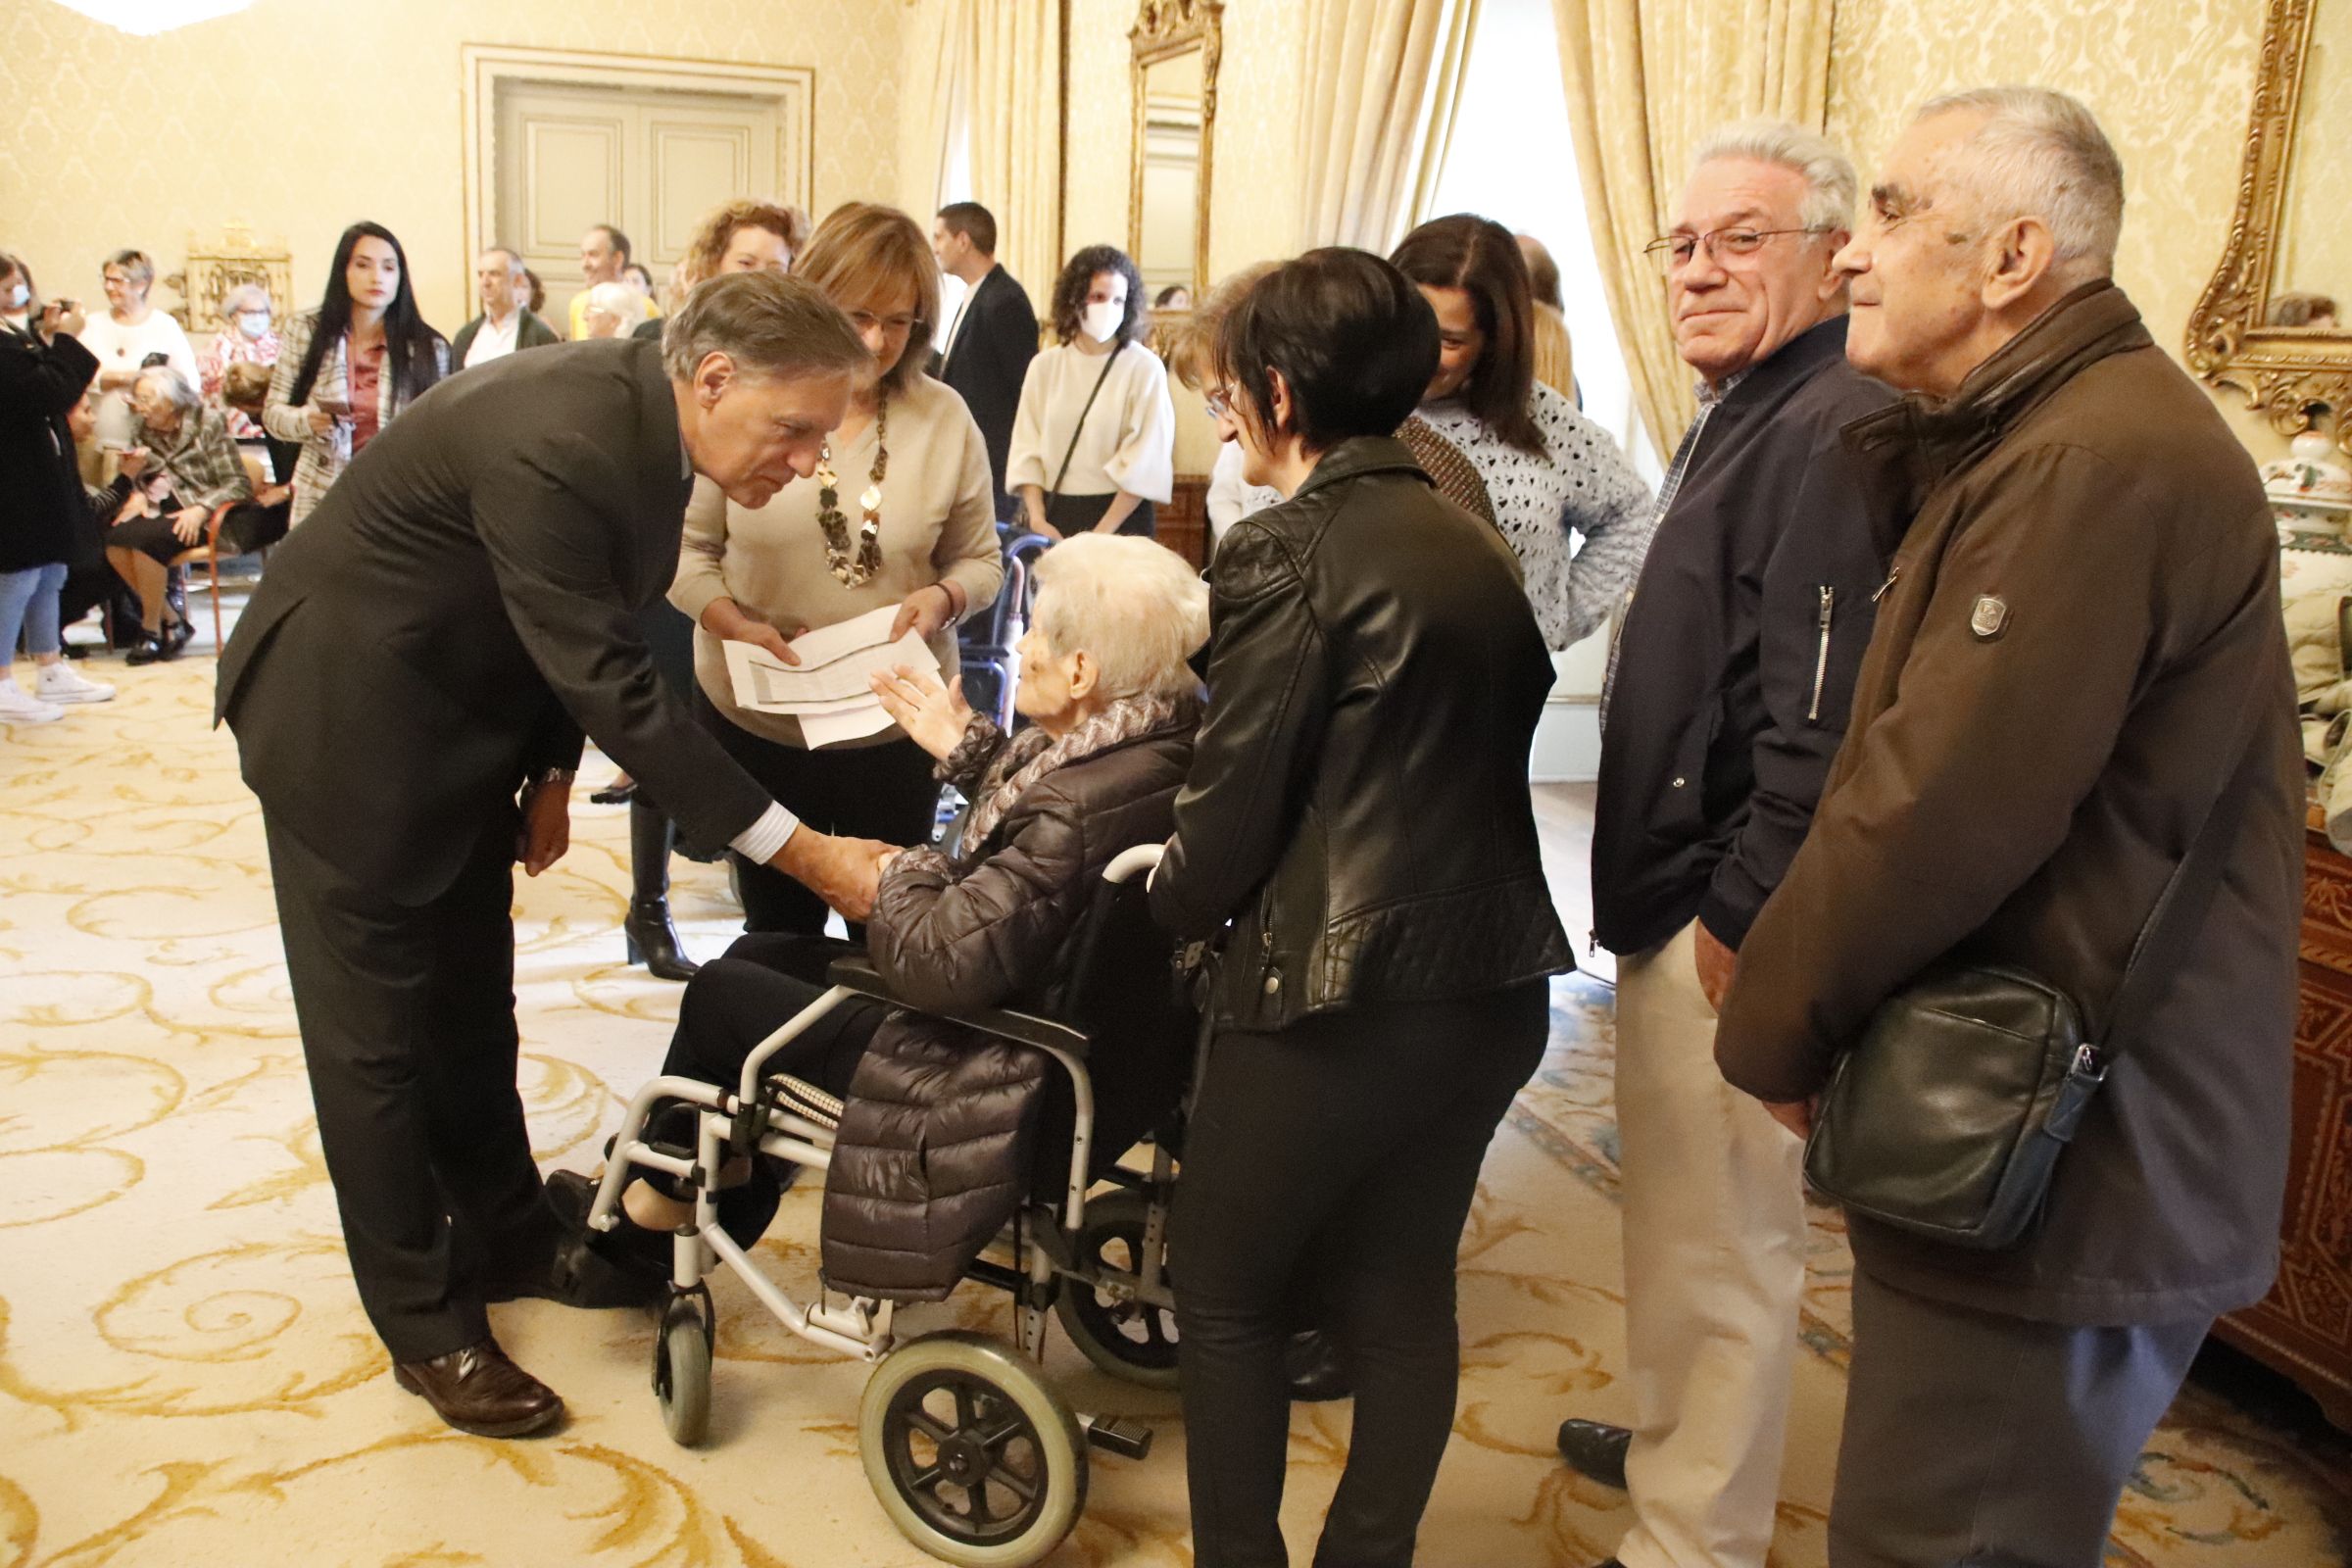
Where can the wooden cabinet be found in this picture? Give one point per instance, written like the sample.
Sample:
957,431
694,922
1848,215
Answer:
2304,1327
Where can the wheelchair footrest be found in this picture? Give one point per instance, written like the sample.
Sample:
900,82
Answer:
1129,1439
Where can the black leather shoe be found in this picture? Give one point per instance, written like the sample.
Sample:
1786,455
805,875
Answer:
618,793
654,942
1316,1369
627,1267
477,1389
1596,1450
148,648
177,636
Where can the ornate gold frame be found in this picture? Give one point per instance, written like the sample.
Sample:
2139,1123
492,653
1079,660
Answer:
1164,29
2287,373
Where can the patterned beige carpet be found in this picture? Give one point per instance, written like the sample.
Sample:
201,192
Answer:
186,1377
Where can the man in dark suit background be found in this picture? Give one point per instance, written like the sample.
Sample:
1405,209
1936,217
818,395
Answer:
986,351
409,689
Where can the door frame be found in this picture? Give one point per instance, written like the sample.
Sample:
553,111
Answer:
484,68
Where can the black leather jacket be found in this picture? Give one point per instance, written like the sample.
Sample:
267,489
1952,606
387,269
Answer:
1358,801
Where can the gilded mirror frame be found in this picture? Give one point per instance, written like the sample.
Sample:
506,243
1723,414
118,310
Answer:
1163,30
2287,374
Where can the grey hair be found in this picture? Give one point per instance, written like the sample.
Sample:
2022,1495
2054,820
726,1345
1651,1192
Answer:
1828,174
2041,154
135,265
174,386
1137,606
768,324
514,267
230,302
616,300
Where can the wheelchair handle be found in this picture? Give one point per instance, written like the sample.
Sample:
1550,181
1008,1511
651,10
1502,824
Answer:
1143,859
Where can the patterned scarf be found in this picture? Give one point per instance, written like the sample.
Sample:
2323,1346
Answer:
1033,753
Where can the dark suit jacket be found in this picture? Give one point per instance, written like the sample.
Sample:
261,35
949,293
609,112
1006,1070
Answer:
529,333
462,605
991,354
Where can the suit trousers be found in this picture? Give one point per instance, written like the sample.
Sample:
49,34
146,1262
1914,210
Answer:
1976,1440
1712,1204
407,1029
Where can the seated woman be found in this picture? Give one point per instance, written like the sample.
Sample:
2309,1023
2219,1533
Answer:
989,922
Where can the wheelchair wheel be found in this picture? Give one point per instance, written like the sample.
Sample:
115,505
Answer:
682,1367
1129,1340
973,1457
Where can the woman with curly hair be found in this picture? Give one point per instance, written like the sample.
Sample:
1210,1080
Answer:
743,236
1094,445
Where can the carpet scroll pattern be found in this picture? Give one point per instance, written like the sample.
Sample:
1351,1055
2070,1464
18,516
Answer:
185,1376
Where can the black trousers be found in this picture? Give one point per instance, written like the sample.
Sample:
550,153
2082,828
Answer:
1075,515
880,792
731,1006
249,526
1334,1162
407,1029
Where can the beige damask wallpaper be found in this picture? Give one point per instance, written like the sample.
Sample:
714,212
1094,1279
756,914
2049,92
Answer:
2172,82
300,115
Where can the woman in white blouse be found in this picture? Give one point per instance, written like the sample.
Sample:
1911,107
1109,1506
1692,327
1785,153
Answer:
1094,442
1553,475
900,513
125,336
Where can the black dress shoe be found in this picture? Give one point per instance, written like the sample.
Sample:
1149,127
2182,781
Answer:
147,650
1316,1369
651,940
477,1389
177,635
618,793
1596,1450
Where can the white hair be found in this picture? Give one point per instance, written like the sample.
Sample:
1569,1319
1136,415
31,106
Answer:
1828,175
1136,605
245,297
616,300
173,386
2040,154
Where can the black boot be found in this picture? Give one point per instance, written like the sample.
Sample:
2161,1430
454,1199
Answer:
652,940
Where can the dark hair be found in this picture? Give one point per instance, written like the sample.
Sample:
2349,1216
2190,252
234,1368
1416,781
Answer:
1475,253
621,241
1352,337
974,222
1070,289
1160,301
1543,272
538,301
407,342
639,268
13,265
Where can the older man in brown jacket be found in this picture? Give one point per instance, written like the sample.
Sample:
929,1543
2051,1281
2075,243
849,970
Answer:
2077,651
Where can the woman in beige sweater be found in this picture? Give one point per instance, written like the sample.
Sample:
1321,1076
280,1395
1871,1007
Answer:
910,523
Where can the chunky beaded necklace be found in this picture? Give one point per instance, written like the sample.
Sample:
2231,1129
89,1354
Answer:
854,570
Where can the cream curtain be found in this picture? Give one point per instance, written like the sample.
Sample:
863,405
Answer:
1013,87
1647,79
1384,83
930,102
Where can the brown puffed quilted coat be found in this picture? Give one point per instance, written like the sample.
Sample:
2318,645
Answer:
938,1139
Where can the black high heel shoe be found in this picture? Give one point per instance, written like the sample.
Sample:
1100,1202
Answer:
654,942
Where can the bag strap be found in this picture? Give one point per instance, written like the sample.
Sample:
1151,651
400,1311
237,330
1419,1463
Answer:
2179,911
1108,360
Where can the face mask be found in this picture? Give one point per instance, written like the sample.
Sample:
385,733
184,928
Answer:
1102,322
18,294
254,324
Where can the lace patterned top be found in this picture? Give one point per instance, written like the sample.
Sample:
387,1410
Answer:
1581,487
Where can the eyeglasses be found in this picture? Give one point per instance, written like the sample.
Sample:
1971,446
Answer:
1220,400
893,326
1675,251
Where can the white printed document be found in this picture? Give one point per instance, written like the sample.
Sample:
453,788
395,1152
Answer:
830,691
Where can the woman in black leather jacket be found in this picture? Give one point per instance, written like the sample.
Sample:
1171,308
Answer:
1359,811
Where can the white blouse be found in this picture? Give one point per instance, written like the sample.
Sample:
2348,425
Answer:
119,347
1128,441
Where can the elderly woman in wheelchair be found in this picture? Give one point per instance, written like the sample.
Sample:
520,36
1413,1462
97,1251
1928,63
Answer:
906,1073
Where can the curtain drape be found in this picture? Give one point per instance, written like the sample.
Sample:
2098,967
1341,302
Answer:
1013,87
1383,86
929,103
1646,81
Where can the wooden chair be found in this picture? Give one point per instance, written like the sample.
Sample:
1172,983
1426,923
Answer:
209,553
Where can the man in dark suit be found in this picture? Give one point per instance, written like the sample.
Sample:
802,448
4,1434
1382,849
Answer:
987,349
409,689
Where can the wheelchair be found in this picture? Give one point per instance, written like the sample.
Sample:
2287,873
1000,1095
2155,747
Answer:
972,1454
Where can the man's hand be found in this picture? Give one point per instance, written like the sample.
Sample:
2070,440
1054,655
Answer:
845,873
187,525
546,827
1717,964
1795,1114
924,611
934,716
725,619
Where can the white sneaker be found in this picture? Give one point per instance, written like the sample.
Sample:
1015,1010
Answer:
17,708
62,683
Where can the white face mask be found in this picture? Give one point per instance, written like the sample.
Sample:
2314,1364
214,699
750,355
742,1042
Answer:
254,324
18,294
1102,321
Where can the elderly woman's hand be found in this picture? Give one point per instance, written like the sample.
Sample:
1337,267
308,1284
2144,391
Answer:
187,525
934,716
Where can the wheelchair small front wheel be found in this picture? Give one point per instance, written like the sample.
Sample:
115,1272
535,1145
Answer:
1128,1338
682,1367
973,1457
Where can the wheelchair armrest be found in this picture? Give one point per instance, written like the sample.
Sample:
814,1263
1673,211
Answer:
857,973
